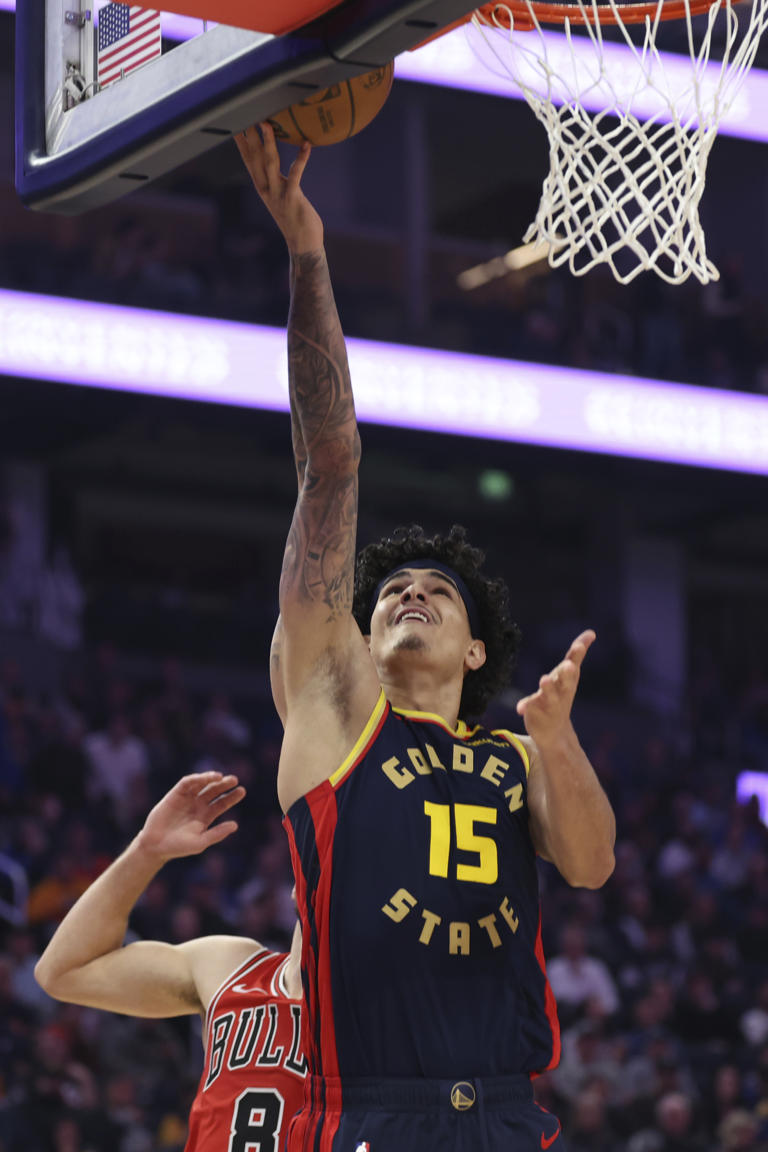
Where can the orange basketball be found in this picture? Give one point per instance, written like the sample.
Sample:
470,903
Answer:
335,113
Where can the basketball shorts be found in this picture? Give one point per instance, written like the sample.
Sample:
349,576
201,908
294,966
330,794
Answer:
488,1114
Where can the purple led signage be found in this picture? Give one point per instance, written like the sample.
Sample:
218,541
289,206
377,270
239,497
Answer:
450,62
749,784
104,346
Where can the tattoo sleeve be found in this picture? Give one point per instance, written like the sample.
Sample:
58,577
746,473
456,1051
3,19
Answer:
318,565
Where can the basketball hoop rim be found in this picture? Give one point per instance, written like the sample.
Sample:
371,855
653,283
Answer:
546,12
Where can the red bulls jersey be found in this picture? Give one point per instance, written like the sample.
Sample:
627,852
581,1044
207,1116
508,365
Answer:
253,1077
418,895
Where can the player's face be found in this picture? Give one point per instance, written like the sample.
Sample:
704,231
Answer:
420,611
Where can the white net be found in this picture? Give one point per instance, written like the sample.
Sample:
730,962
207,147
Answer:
629,131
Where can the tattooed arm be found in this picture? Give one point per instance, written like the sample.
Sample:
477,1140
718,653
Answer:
324,666
318,567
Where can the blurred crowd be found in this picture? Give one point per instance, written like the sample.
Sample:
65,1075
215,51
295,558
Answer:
190,255
661,977
78,773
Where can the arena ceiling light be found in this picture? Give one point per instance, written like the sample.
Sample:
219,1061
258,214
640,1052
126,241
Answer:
190,357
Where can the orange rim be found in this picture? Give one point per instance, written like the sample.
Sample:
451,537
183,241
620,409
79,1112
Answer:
547,12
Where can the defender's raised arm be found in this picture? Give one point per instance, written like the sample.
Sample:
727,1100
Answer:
86,961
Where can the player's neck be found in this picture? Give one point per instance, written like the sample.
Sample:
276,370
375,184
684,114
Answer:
418,691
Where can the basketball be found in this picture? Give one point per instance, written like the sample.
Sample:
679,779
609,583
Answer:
336,113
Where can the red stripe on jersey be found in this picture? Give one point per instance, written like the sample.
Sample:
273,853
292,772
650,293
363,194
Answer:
315,1130
550,1005
324,813
308,962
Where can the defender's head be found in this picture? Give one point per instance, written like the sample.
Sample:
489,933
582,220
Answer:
427,594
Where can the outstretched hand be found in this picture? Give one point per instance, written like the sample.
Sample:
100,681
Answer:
547,711
181,823
298,221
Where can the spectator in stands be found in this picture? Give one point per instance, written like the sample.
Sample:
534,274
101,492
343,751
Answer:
61,601
674,1130
580,982
589,1128
588,1058
754,1021
702,1019
739,1131
119,768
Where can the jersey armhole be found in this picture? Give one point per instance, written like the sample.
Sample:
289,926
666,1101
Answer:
360,747
258,951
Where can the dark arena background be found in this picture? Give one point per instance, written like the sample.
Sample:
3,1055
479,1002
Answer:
140,547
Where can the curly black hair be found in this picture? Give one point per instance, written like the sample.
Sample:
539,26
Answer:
497,629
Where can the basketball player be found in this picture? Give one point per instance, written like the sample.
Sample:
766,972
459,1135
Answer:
413,833
249,998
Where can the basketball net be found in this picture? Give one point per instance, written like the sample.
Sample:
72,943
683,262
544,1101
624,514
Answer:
628,145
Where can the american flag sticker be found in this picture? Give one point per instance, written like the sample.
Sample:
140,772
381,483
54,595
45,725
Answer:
129,36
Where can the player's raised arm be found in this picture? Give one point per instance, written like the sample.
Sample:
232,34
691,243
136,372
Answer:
85,961
316,584
572,821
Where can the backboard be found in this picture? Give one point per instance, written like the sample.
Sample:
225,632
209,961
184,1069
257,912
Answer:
78,147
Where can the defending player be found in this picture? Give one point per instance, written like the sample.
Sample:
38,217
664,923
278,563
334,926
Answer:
249,998
413,835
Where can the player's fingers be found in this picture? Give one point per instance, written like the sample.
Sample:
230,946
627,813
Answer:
224,802
578,648
195,782
253,160
251,149
224,783
526,701
552,685
218,833
270,154
215,786
296,171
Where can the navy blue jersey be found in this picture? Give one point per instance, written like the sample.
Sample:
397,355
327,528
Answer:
418,895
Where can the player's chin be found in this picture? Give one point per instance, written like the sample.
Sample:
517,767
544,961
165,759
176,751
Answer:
410,642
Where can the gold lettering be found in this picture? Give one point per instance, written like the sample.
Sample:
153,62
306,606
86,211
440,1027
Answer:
419,763
463,759
509,914
439,837
400,905
494,770
458,935
431,920
399,778
515,794
486,871
434,759
489,923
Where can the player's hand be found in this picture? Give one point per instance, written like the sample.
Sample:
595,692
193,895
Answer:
182,823
547,712
298,221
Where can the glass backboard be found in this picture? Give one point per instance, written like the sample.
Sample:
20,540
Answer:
78,147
